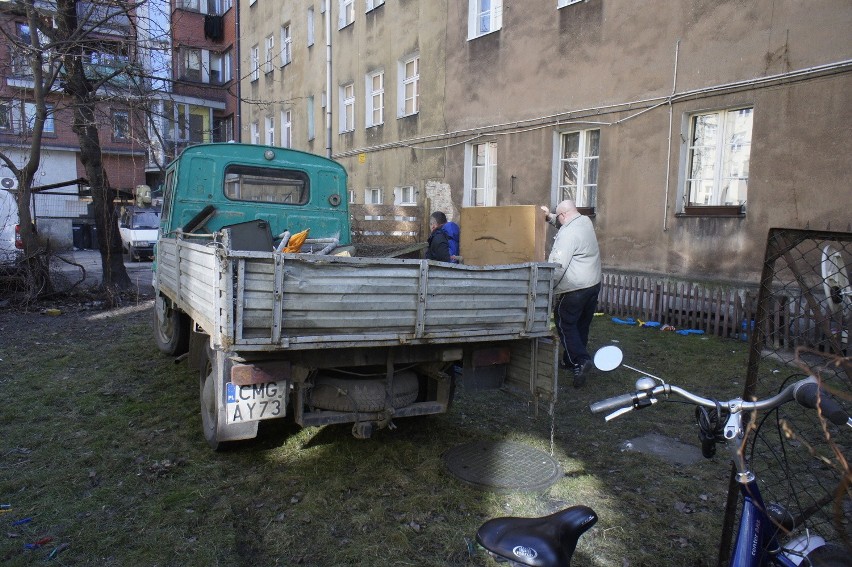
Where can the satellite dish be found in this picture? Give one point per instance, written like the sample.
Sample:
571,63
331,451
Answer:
835,280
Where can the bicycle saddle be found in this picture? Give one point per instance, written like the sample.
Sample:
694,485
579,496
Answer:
548,541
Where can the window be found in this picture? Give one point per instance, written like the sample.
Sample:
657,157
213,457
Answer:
218,7
223,129
409,85
286,129
269,129
481,174
255,62
121,125
718,155
286,45
220,67
5,115
484,17
310,109
347,13
373,4
351,196
347,107
375,98
563,3
191,60
373,196
405,196
266,185
255,133
270,48
19,117
310,26
577,170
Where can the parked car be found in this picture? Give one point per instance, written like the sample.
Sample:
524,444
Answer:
138,228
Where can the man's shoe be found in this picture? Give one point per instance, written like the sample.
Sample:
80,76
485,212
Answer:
580,372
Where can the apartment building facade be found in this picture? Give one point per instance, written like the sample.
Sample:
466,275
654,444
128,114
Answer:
686,130
189,48
350,82
61,205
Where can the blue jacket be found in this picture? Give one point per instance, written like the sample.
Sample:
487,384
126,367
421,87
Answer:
453,233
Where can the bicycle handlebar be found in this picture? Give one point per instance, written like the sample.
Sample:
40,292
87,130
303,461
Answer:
806,392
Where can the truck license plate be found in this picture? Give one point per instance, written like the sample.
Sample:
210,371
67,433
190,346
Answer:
255,401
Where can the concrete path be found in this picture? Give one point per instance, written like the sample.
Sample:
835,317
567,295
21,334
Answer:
139,272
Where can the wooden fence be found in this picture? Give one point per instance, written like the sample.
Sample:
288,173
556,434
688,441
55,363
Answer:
725,312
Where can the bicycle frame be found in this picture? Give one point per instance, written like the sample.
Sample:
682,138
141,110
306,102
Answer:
756,543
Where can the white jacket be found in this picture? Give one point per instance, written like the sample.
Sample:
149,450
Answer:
575,248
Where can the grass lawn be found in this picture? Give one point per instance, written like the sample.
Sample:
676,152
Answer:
102,450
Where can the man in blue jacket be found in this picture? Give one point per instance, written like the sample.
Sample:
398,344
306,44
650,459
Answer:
443,240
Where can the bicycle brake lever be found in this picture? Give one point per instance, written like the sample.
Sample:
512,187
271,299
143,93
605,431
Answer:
636,405
617,413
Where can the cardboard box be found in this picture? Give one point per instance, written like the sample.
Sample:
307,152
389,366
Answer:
502,235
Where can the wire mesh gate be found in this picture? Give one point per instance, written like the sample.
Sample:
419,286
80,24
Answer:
801,326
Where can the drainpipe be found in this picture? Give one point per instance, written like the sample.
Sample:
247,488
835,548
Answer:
669,153
328,78
238,127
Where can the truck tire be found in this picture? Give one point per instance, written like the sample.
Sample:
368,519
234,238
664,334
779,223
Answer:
362,395
217,432
171,327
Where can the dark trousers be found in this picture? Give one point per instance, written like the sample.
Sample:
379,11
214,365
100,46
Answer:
573,316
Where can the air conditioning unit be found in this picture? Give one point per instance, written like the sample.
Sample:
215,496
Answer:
8,183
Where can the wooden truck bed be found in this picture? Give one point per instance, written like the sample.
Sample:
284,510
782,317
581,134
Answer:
265,301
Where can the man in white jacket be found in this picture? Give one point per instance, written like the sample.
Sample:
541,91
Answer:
576,286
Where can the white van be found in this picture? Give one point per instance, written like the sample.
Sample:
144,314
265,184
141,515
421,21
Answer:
138,228
11,248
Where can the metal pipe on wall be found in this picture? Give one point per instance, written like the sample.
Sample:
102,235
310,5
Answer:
328,78
669,152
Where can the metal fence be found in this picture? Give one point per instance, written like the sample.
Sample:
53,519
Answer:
801,323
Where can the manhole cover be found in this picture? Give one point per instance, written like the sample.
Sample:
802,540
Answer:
502,466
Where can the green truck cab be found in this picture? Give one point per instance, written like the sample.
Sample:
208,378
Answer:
229,184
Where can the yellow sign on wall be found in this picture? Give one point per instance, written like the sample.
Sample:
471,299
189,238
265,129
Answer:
362,158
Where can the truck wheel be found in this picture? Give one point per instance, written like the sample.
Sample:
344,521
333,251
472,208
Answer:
211,381
362,395
171,327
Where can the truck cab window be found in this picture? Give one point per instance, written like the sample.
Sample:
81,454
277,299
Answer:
267,185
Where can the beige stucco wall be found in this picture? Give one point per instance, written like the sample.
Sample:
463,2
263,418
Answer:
608,64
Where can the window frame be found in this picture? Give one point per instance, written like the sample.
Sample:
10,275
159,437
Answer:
476,13
489,188
311,119
374,95
583,187
399,194
269,130
221,63
720,166
404,81
116,134
254,62
373,4
370,192
269,54
347,108
310,25
255,133
287,128
346,13
563,3
286,53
